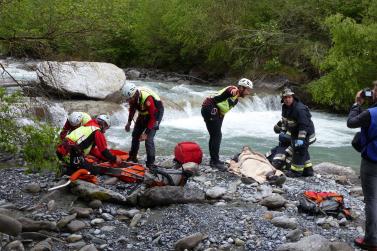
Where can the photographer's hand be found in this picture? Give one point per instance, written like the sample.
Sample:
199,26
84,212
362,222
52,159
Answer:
358,99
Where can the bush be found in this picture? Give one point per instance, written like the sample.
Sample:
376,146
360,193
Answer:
36,143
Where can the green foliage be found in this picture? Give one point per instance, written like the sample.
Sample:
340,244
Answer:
39,148
8,126
36,143
350,64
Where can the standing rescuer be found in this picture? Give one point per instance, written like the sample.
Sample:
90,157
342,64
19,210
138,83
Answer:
151,110
297,124
213,112
367,121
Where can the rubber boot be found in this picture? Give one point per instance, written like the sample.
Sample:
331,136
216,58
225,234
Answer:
218,165
308,172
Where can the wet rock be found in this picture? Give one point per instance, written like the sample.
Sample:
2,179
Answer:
216,192
29,225
163,196
135,220
189,242
81,212
294,235
90,247
45,245
356,191
333,169
284,222
14,246
107,228
95,204
239,242
111,181
10,225
133,74
248,180
273,202
35,236
89,191
64,221
76,245
340,246
313,243
129,213
51,205
74,238
97,221
76,225
32,188
107,216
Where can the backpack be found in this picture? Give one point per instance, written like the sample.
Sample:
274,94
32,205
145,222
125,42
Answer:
327,203
185,152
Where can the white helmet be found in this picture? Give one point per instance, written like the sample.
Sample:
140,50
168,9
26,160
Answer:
105,118
75,118
129,89
246,83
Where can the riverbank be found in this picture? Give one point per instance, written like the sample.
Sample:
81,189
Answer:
233,214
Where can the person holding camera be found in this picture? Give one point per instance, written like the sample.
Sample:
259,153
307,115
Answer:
297,127
367,121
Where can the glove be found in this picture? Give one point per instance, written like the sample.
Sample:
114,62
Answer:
284,138
127,127
299,143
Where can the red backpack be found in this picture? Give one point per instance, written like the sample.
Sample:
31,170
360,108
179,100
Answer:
188,152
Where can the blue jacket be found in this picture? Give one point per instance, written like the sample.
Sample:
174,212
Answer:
368,137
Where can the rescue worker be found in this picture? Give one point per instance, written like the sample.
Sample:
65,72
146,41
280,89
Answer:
75,120
280,156
151,110
87,139
297,125
367,121
213,112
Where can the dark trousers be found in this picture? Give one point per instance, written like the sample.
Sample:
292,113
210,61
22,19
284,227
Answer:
140,126
213,122
368,174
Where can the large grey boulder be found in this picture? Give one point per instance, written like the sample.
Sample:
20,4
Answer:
163,196
315,243
90,191
333,169
273,202
189,242
9,225
90,79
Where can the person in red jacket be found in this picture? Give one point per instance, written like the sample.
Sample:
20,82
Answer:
74,121
151,110
87,139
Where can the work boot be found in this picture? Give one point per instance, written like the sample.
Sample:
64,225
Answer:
132,159
293,174
218,165
308,172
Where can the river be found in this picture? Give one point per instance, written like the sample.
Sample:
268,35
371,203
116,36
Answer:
249,123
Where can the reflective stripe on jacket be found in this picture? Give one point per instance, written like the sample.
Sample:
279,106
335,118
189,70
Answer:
82,133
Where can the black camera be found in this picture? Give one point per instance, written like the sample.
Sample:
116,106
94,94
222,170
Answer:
367,93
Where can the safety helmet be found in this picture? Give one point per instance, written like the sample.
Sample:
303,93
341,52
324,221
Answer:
75,118
104,118
245,83
129,89
287,92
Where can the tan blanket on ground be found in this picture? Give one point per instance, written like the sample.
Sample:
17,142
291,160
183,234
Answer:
254,165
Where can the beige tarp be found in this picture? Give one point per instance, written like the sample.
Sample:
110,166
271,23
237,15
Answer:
254,165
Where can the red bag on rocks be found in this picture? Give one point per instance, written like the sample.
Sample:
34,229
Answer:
188,152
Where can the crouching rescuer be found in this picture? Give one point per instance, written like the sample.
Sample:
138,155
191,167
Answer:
151,110
87,139
296,125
